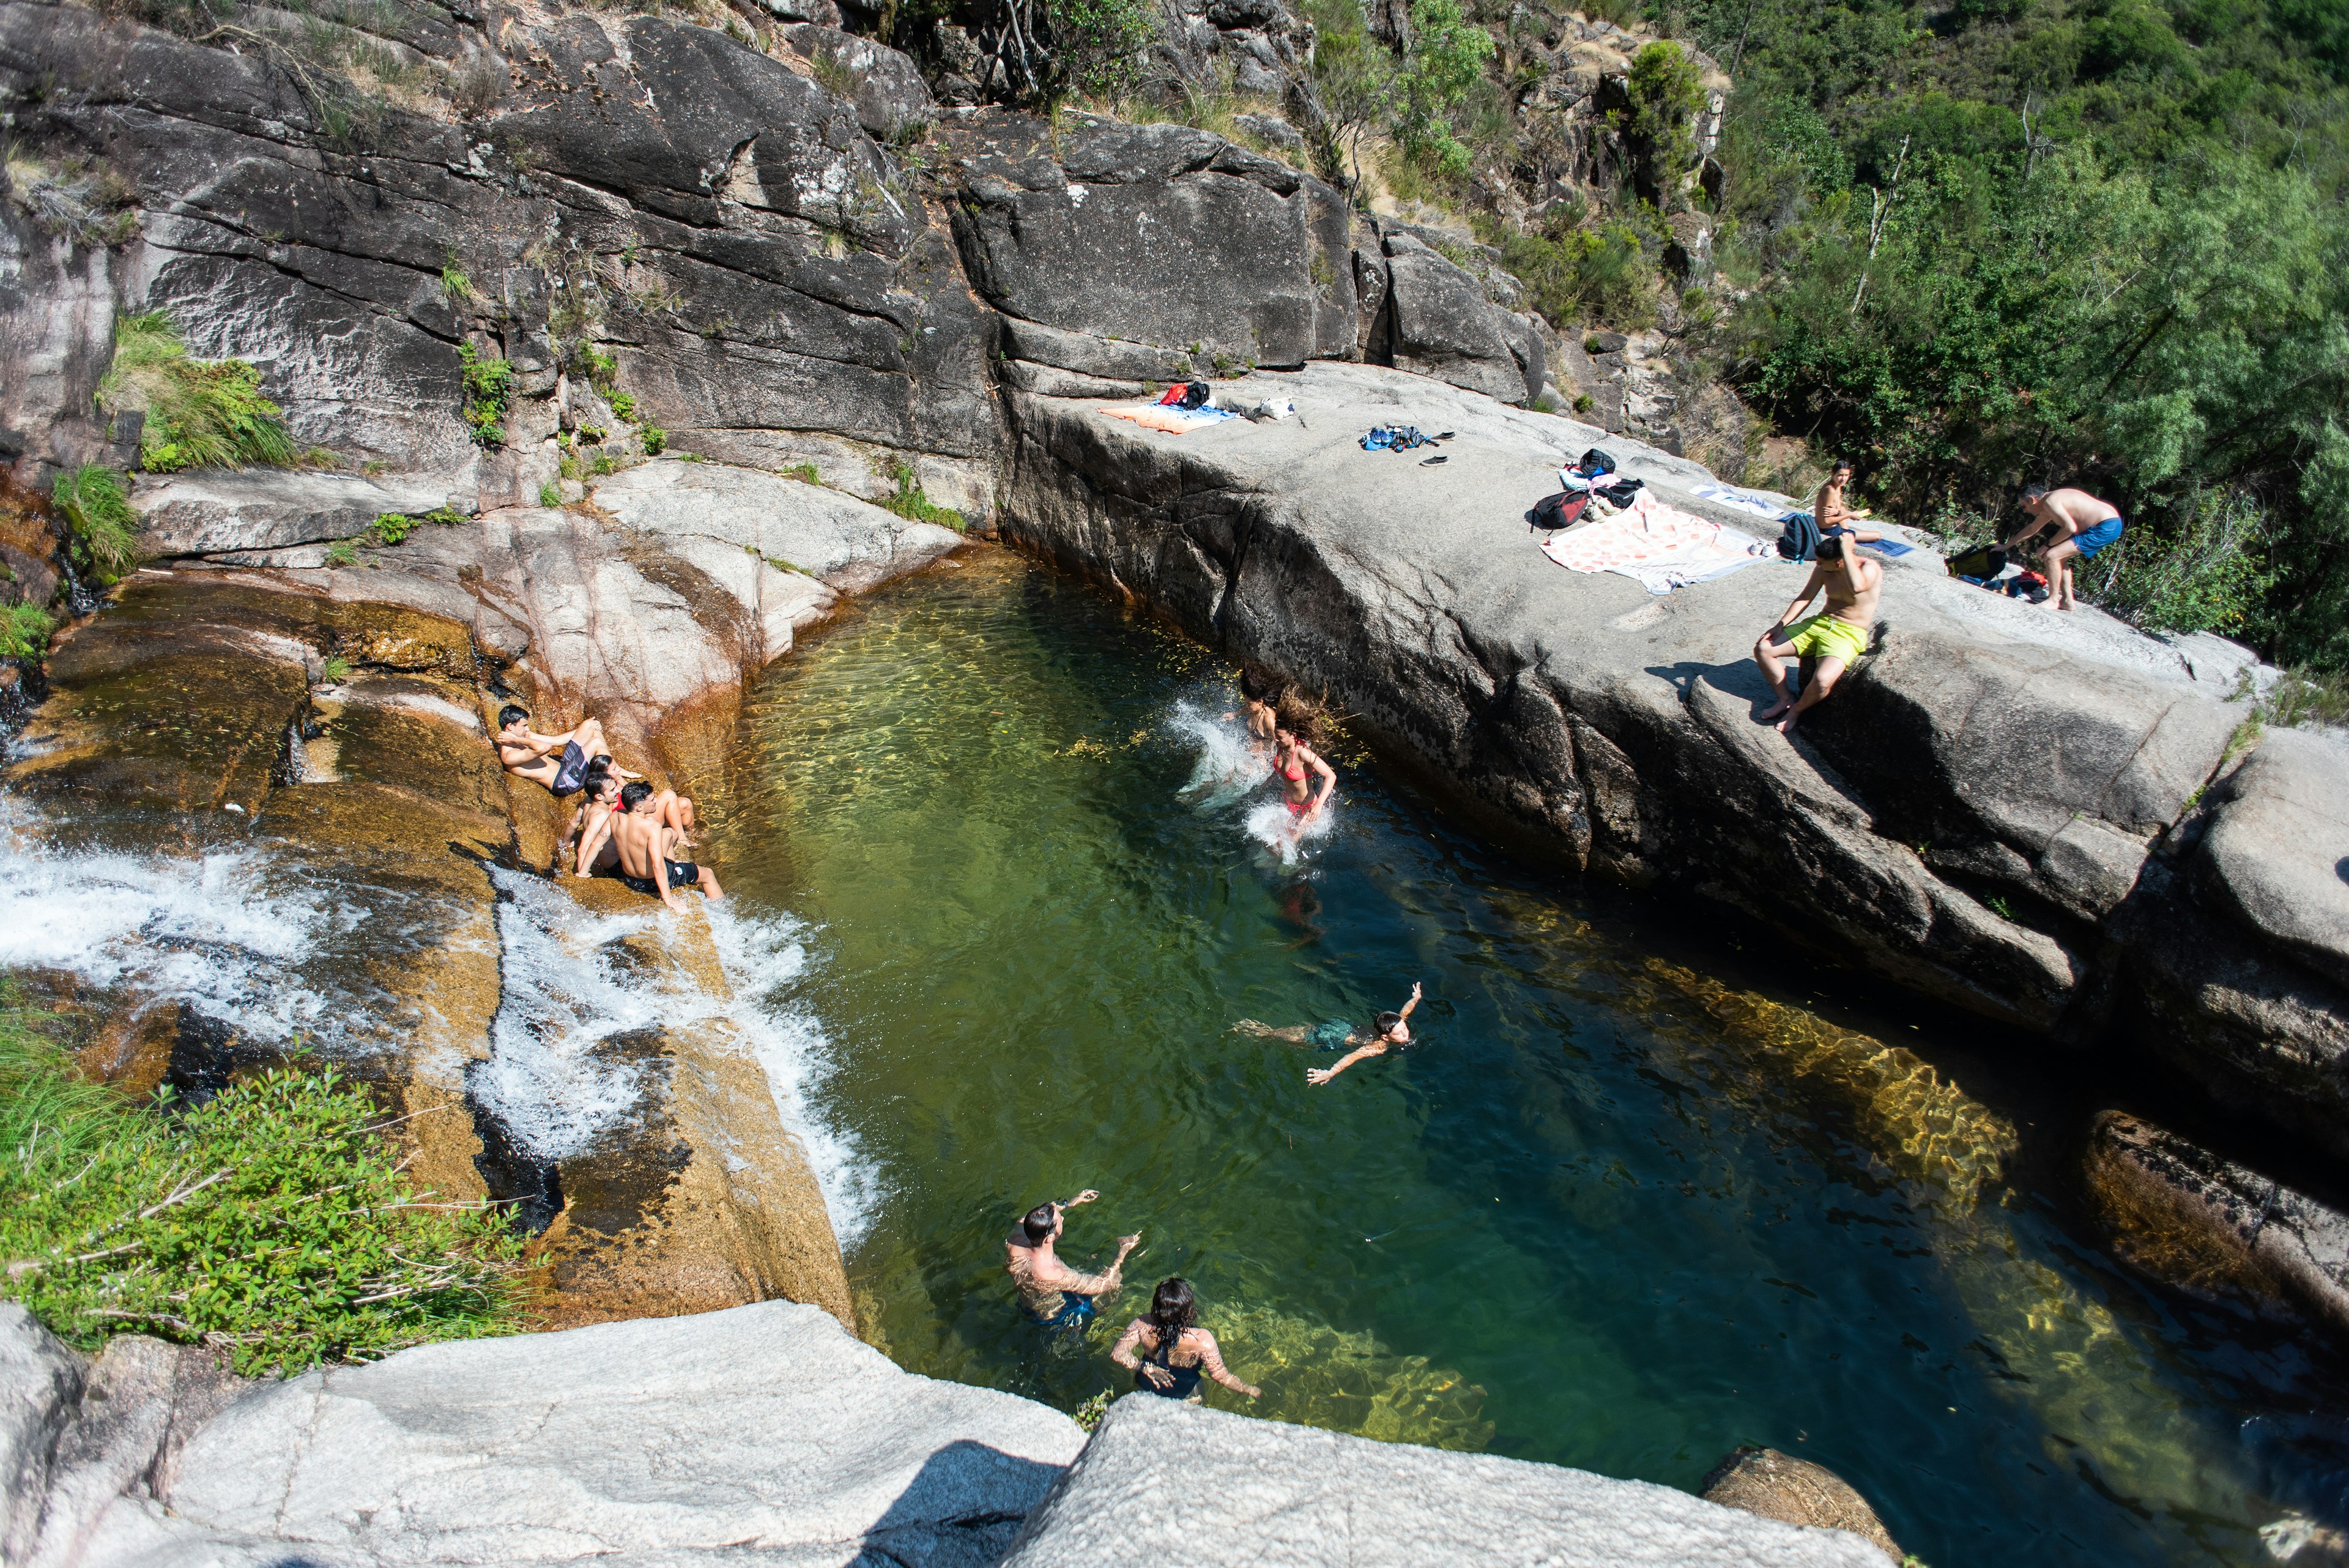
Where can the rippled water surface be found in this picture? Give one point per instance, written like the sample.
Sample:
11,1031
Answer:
1639,1197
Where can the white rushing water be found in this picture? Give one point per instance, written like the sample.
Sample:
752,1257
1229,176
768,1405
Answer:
225,931
244,935
567,987
1230,770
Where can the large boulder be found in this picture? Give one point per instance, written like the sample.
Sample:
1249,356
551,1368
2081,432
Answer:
1905,827
1441,322
1165,1481
892,100
1157,233
266,509
1779,1486
764,1429
2276,858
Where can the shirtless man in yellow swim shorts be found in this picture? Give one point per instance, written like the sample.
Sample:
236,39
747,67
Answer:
1835,639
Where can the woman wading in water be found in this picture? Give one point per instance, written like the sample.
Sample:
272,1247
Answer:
1293,763
1256,695
1175,1350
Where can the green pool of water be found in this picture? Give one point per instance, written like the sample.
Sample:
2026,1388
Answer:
1639,1197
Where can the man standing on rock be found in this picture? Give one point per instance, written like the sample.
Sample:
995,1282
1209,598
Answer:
643,842
1055,1294
1835,638
2084,525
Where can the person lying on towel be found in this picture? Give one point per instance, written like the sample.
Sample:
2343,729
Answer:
1829,643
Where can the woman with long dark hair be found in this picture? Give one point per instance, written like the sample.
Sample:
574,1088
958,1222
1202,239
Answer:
1175,1350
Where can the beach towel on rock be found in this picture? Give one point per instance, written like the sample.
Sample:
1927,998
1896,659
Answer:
1656,545
1173,420
1761,502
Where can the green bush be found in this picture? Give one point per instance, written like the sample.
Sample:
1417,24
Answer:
1099,48
1444,65
489,388
201,413
2204,572
1665,97
104,526
1582,274
656,440
271,1220
24,632
549,497
908,502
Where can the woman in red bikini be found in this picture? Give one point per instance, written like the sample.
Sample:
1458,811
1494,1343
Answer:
1291,757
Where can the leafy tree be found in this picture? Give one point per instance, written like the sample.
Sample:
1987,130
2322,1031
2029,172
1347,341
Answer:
1665,98
1444,65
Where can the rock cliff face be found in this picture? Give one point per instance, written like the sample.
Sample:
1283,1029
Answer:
805,1446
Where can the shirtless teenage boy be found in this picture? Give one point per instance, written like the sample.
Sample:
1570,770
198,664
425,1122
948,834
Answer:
591,825
525,753
1055,1294
1835,638
2084,525
643,842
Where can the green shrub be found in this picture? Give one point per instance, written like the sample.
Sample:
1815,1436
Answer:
105,527
24,632
1666,94
656,440
549,497
622,404
201,413
393,526
341,553
2203,573
271,1220
908,502
1584,402
457,287
804,473
1582,274
1100,46
489,387
335,671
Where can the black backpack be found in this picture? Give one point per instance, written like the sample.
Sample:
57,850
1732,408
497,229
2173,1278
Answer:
1622,492
1595,463
1799,540
1194,395
1563,509
1982,562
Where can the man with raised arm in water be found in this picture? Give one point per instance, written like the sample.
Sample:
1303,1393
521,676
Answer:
643,842
1388,1031
1834,638
1055,1294
2084,526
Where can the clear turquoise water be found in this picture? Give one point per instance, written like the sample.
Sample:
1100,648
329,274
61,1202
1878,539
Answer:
1645,1192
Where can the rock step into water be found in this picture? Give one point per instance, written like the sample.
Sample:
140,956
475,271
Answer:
1162,1481
764,1434
1779,1486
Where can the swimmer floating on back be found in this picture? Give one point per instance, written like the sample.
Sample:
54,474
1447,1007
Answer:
1389,1032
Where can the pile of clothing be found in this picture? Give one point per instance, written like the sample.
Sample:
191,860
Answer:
1399,438
1590,486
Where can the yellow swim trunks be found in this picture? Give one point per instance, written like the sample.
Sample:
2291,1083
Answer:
1825,636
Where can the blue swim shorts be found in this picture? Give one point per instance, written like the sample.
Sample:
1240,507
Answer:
2091,540
1075,1312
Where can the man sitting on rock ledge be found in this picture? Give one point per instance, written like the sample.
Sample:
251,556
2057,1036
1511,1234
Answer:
525,753
1834,638
643,842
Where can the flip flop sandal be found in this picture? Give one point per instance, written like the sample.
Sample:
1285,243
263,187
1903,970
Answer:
1447,435
1430,462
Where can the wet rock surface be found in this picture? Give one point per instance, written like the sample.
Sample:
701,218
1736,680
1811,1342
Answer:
2193,1219
1262,1492
1779,1486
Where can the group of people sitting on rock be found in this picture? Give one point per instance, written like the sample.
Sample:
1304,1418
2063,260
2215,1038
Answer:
623,827
1165,1348
2070,526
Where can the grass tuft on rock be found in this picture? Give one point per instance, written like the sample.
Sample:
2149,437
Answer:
104,526
201,413
271,1220
908,502
24,632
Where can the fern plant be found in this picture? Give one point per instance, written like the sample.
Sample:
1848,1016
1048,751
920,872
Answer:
201,413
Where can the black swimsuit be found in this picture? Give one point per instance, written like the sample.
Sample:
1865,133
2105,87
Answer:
1186,1378
682,874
